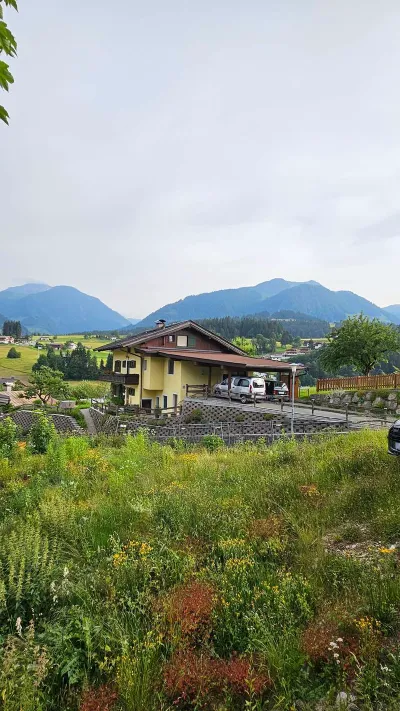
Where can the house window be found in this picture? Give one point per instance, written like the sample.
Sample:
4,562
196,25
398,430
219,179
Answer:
165,402
171,339
157,401
117,366
171,367
132,363
182,341
191,341
124,363
131,392
175,401
145,365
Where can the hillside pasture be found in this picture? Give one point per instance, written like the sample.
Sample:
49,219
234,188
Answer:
18,367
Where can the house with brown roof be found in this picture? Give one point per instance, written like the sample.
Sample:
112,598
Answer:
161,366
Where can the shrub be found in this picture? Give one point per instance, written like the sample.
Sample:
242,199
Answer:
212,442
9,434
13,353
41,433
194,417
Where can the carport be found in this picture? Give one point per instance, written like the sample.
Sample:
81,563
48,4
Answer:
232,364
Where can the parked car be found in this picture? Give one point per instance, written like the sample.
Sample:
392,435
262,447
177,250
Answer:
394,439
281,390
221,389
243,388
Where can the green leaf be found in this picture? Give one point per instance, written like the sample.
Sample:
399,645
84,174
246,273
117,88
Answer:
4,115
12,3
8,42
6,77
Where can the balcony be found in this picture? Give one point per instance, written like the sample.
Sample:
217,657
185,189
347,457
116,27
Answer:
120,378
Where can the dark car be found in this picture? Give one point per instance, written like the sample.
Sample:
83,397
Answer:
394,439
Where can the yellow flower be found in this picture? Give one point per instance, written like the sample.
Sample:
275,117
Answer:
145,549
386,550
239,564
119,559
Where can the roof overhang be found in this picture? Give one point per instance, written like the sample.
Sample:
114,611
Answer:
230,361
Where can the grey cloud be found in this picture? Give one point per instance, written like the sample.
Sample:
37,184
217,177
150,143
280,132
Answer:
158,149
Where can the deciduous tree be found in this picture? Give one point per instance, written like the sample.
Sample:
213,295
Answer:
46,383
360,342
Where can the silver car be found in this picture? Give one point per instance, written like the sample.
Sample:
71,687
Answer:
243,388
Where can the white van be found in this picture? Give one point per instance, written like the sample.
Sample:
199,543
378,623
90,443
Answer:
243,388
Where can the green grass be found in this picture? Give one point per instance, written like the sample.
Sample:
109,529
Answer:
237,579
22,367
19,367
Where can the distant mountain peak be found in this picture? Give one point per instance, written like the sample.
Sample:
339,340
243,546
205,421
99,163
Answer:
272,296
58,309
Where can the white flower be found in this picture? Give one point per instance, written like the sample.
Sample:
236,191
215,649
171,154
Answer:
384,668
52,587
66,572
339,639
336,656
333,645
18,626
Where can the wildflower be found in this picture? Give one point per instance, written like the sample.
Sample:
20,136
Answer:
65,572
384,668
119,559
333,645
309,490
145,549
386,550
18,626
336,656
339,639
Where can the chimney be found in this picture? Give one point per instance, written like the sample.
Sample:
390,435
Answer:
160,323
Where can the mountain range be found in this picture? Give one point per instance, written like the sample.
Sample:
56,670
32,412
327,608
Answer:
59,309
309,298
63,309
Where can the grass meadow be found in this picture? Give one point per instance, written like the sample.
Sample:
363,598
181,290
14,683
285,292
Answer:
140,577
22,367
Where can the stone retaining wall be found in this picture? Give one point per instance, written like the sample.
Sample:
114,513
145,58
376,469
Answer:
252,428
377,401
64,424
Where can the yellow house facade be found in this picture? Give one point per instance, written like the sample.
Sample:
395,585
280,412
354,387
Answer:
161,382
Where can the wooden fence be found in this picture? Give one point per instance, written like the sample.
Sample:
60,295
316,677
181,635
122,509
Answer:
360,382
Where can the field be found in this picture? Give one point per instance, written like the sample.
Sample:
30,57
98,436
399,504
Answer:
136,577
22,367
19,367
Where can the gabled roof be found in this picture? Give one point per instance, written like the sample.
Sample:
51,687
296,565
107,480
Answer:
139,338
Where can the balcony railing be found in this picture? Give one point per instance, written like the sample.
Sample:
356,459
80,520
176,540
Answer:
120,378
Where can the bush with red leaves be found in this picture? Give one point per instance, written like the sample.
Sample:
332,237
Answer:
191,606
101,699
192,679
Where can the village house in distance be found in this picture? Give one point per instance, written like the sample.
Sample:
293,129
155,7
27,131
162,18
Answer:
158,368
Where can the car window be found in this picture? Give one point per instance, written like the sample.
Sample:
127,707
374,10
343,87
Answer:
244,383
257,384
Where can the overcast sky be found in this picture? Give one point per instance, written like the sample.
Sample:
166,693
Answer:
168,147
